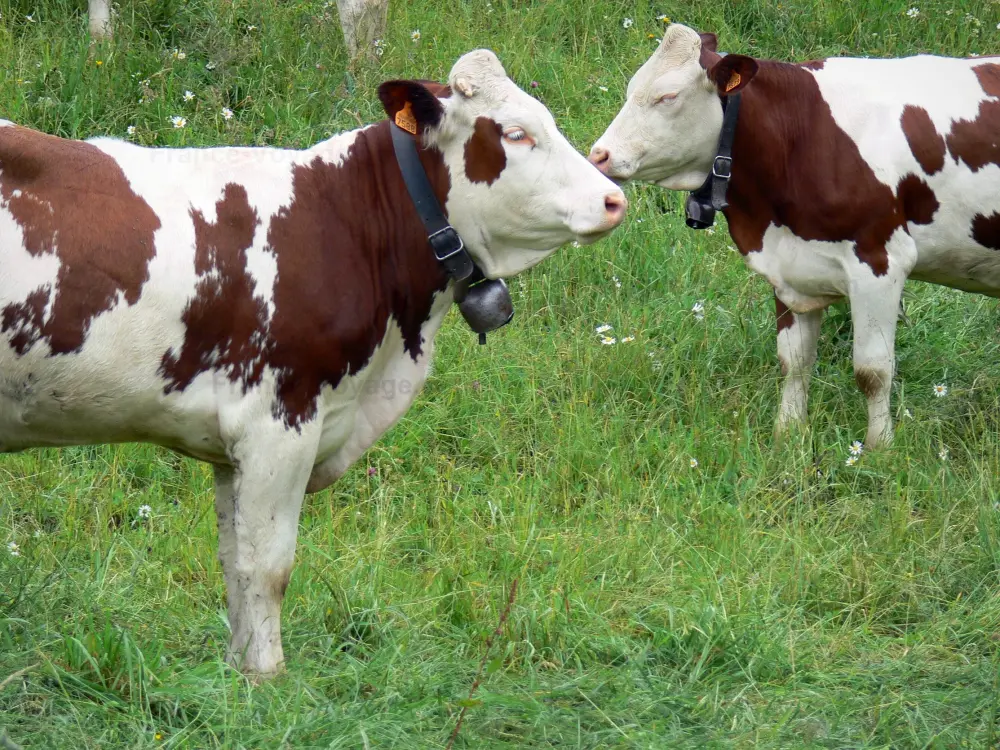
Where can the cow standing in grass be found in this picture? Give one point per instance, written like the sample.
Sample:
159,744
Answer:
848,177
269,311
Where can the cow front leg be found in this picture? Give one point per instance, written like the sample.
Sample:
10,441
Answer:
798,335
257,505
874,321
874,313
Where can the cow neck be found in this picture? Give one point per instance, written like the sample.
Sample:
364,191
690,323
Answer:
484,303
770,132
448,247
404,263
703,203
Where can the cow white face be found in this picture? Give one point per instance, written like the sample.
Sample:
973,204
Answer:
519,189
668,130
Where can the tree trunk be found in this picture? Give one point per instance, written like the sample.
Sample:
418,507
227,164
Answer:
99,14
363,21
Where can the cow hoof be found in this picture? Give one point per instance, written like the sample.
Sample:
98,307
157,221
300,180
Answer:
788,432
256,671
878,440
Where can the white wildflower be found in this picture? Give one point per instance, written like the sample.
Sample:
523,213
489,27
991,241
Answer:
913,12
14,549
603,88
851,460
943,454
856,448
627,23
699,310
694,463
178,122
628,339
227,113
179,54
415,36
130,130
603,328
144,511
609,340
189,96
941,390
210,65
907,413
618,283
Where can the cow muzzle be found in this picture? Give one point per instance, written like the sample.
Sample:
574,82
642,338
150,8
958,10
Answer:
486,306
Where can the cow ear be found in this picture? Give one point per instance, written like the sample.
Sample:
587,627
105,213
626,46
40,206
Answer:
709,42
732,73
411,105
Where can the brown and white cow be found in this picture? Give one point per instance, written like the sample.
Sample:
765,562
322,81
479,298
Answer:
848,177
269,311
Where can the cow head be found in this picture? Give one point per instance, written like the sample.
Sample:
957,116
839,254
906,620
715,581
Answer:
519,190
668,130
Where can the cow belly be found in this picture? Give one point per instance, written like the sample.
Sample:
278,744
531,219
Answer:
806,275
960,264
51,402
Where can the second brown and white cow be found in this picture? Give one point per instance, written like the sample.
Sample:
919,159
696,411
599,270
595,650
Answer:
269,311
849,176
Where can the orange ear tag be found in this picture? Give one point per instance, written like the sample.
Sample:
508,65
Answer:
734,81
406,120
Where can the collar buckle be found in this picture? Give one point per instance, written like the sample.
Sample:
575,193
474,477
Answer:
446,243
722,167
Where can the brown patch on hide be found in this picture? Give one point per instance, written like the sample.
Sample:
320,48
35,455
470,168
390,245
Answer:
225,323
485,157
926,143
74,201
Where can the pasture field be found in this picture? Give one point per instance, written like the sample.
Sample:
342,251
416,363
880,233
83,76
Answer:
767,596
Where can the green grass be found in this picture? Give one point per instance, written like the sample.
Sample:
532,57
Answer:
769,597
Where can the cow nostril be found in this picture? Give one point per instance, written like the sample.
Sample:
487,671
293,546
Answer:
615,205
600,158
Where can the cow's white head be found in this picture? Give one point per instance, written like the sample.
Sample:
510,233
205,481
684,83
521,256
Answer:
668,130
519,189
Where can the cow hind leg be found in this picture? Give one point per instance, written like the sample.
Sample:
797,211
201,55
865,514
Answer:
257,505
798,335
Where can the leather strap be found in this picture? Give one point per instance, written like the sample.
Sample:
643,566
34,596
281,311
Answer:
444,240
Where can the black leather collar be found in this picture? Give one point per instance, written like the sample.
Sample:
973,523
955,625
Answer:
444,240
484,303
703,203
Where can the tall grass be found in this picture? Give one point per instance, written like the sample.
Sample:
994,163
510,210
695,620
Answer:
766,597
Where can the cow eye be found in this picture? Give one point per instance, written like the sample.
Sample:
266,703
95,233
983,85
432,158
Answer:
667,98
515,135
